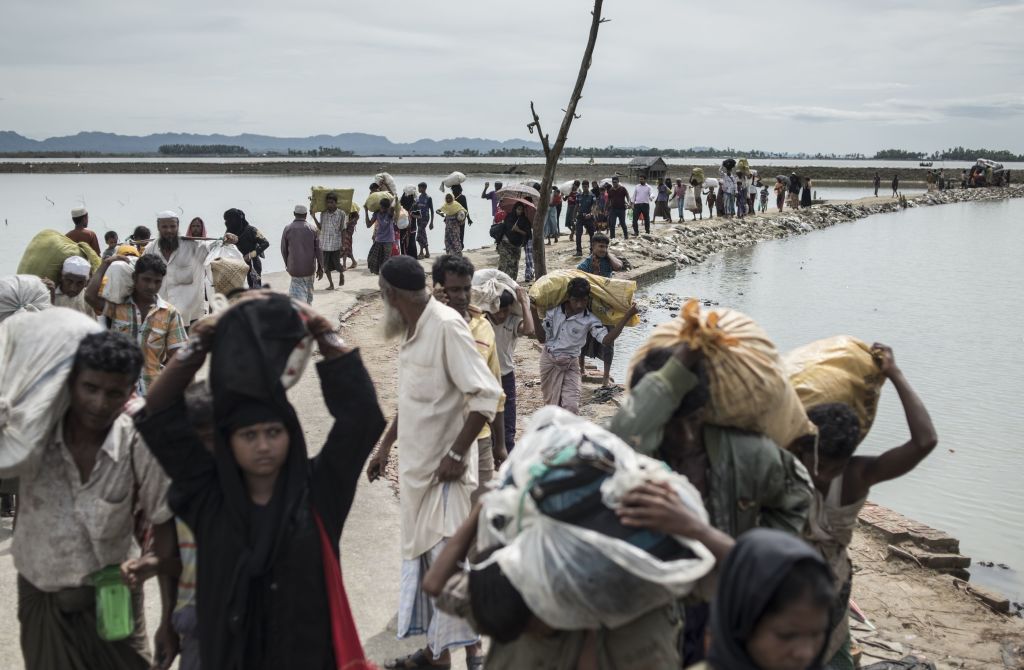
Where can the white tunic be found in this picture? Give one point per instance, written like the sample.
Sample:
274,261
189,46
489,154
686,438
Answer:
185,283
441,379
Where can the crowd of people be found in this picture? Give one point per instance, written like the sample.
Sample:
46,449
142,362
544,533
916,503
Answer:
212,480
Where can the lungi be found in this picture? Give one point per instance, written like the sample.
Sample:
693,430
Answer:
301,288
560,381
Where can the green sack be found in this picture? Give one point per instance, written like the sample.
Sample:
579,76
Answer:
45,255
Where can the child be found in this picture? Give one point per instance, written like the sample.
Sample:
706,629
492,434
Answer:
261,510
110,237
764,199
712,201
508,328
346,239
842,481
563,333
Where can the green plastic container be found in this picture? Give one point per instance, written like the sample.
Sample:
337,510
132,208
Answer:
114,617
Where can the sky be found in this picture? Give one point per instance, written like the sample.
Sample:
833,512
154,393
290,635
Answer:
826,76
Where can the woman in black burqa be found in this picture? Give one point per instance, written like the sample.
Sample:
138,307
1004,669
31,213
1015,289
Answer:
251,243
772,607
261,597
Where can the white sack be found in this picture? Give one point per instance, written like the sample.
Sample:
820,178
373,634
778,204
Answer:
22,293
37,350
119,284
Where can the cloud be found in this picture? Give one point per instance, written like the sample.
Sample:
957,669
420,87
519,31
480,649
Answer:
894,111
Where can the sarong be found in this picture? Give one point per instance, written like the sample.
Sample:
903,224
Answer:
508,258
508,384
560,381
452,236
421,235
58,632
301,288
346,240
379,252
485,468
528,250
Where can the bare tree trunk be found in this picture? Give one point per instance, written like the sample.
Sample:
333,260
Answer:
553,152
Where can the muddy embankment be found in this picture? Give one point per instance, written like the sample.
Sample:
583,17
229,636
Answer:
694,241
511,169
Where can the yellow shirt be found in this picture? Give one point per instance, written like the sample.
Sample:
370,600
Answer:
483,337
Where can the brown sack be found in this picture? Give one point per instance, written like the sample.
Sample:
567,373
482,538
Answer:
749,388
837,369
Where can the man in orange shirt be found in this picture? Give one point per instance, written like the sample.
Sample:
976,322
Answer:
81,233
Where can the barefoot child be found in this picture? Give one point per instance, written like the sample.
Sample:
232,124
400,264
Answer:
842,482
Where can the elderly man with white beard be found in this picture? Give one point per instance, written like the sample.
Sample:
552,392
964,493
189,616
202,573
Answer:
446,394
185,283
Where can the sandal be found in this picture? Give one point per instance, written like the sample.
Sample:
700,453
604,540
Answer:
418,660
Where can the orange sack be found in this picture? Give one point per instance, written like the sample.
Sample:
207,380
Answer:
749,387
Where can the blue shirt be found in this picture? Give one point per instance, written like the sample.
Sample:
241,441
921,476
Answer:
425,205
604,269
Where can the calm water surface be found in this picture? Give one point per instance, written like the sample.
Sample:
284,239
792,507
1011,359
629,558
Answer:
943,287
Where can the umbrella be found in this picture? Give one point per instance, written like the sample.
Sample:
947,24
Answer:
507,204
519,191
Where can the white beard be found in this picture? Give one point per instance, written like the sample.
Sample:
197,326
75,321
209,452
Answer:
393,324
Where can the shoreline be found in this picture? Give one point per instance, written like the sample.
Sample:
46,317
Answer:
510,169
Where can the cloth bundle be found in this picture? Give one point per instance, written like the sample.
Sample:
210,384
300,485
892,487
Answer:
610,298
453,179
45,255
119,282
697,176
837,369
22,293
37,350
488,285
749,388
386,181
570,576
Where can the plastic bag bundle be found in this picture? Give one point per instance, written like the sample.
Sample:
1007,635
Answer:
409,190
118,282
488,285
837,369
610,298
566,187
711,182
372,203
452,179
573,577
403,218
386,181
22,293
37,350
45,255
749,387
318,198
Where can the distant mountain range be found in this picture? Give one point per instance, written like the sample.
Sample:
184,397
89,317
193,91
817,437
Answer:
358,143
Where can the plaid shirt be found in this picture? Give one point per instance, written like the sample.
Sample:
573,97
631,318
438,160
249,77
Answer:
159,334
331,224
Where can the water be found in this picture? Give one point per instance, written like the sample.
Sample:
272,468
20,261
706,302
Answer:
30,203
942,286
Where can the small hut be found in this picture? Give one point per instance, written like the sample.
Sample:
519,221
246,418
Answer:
651,167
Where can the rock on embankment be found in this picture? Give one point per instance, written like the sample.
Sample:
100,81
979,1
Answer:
693,242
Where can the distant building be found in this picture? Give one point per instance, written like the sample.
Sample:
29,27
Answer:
651,167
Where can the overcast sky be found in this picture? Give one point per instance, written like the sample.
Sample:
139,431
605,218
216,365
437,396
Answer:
830,75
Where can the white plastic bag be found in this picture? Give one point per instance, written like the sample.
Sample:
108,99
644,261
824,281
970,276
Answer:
555,565
689,200
22,293
220,249
409,190
37,350
453,179
119,283
566,187
403,218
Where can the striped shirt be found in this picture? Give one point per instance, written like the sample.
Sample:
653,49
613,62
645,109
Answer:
159,333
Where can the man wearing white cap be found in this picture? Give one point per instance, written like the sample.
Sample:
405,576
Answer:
300,247
70,292
81,232
185,283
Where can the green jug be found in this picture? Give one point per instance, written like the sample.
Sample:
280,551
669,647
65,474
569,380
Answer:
114,617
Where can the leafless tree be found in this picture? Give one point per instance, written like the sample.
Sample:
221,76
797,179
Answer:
552,152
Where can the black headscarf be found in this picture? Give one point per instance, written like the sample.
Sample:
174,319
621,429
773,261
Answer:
234,221
250,352
750,576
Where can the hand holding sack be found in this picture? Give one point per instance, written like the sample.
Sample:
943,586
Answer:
318,198
37,350
749,387
45,255
837,369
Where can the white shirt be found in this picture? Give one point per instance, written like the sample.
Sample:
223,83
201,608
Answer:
185,283
76,303
506,337
642,193
67,529
441,379
566,335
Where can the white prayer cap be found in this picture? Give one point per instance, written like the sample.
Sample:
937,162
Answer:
167,214
76,266
299,209
78,211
